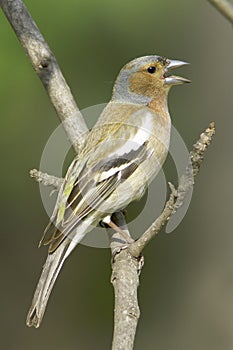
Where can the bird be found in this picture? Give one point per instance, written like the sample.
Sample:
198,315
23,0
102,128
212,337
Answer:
121,155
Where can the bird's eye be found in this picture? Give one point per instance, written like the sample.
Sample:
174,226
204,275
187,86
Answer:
151,69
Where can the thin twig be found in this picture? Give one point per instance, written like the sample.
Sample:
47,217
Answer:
46,179
225,7
46,67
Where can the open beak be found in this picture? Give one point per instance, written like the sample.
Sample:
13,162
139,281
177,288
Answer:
173,79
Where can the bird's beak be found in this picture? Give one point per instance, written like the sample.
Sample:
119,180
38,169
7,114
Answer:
173,79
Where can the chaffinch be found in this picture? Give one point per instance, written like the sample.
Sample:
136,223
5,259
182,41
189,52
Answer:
121,155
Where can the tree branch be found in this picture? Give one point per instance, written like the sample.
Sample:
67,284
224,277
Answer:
127,263
46,179
225,7
177,196
125,280
127,260
46,67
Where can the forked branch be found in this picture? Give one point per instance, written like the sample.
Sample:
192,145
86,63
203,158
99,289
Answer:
127,260
127,263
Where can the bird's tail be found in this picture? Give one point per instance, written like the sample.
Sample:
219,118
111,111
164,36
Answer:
51,269
46,282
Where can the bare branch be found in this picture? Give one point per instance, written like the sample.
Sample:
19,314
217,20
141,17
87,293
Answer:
196,158
46,179
125,280
225,7
128,262
46,67
177,196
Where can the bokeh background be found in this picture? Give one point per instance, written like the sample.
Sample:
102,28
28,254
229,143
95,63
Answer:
186,291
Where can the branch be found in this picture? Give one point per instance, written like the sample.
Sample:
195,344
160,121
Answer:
46,67
225,7
46,179
128,262
177,196
125,280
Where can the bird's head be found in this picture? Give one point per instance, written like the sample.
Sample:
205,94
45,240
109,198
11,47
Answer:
145,79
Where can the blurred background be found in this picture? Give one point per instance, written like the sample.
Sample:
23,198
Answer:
186,290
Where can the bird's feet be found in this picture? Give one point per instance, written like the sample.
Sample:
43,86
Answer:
108,221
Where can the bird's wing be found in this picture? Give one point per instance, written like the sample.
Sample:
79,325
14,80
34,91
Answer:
64,192
91,181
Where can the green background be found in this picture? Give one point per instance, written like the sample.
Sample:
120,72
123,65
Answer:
186,291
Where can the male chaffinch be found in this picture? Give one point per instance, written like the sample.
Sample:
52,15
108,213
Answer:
121,155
